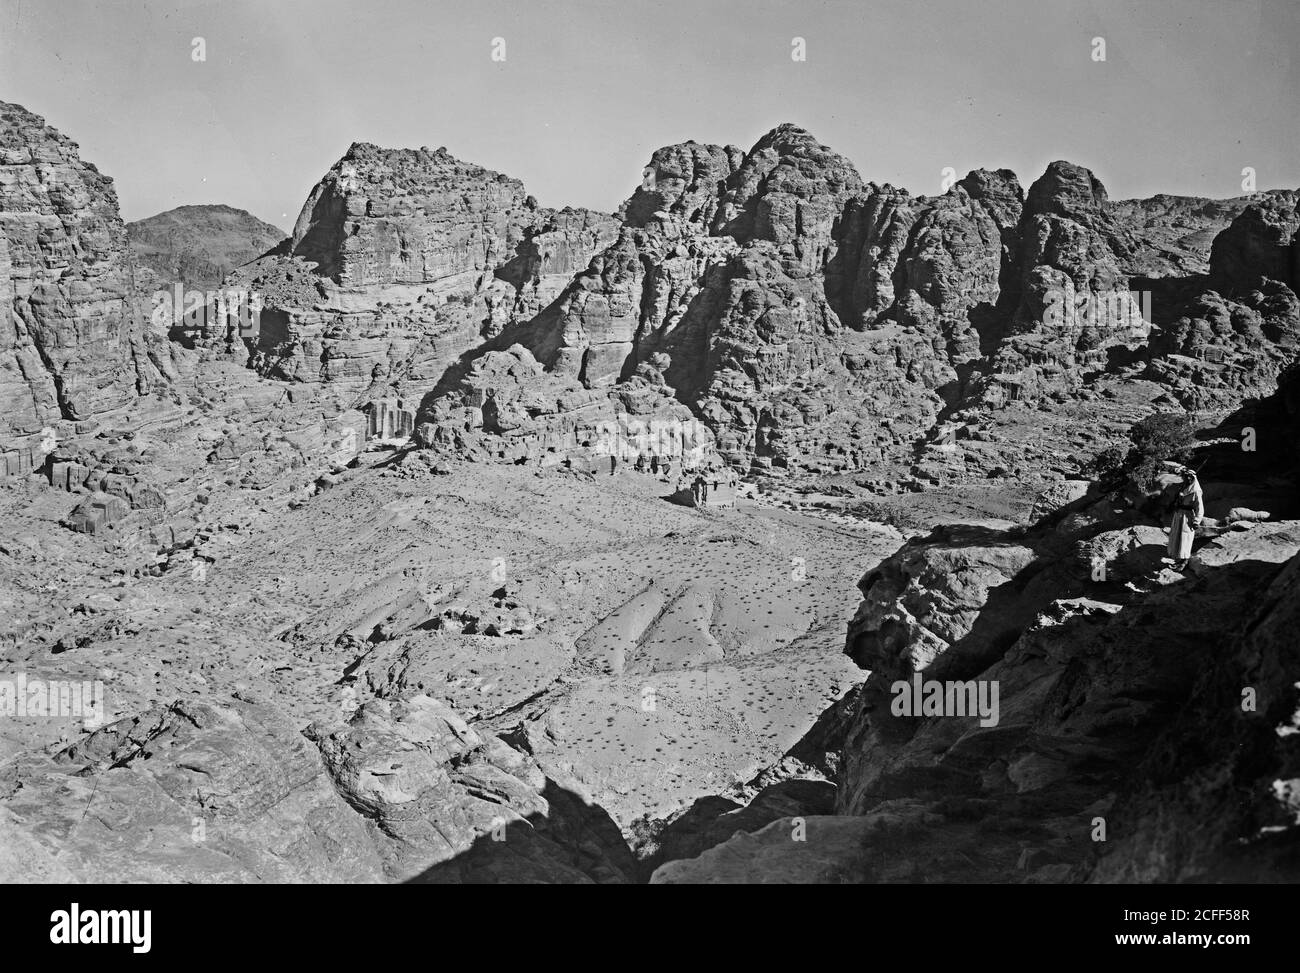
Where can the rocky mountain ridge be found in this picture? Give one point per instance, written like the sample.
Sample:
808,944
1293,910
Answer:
353,655
775,293
813,321
197,246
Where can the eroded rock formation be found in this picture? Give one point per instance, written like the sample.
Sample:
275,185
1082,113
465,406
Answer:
402,260
72,338
818,322
496,673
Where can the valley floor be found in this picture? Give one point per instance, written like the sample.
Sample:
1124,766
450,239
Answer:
651,652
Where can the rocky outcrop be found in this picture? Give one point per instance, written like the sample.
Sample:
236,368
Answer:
921,605
713,820
1231,341
1174,234
229,791
402,260
1259,245
684,182
786,294
1118,707
197,791
72,342
1074,302
957,265
733,268
451,804
1217,795
508,407
813,321
407,216
1094,695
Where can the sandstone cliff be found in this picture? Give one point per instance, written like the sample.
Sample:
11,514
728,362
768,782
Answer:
72,338
400,261
813,321
817,322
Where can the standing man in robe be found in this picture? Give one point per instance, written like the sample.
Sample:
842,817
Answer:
1189,509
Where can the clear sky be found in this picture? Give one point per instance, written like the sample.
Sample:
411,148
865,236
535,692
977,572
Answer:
1190,93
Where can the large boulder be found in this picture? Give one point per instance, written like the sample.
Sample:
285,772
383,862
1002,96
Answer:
449,803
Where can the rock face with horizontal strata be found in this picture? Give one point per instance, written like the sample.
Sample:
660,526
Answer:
812,320
400,261
71,335
196,790
816,321
407,217
227,790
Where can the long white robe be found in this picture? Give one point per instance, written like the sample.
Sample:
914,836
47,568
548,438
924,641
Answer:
1183,527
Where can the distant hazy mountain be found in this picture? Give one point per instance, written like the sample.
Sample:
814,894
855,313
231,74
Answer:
199,245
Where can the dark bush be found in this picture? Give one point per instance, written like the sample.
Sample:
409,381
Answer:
1106,466
1159,438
